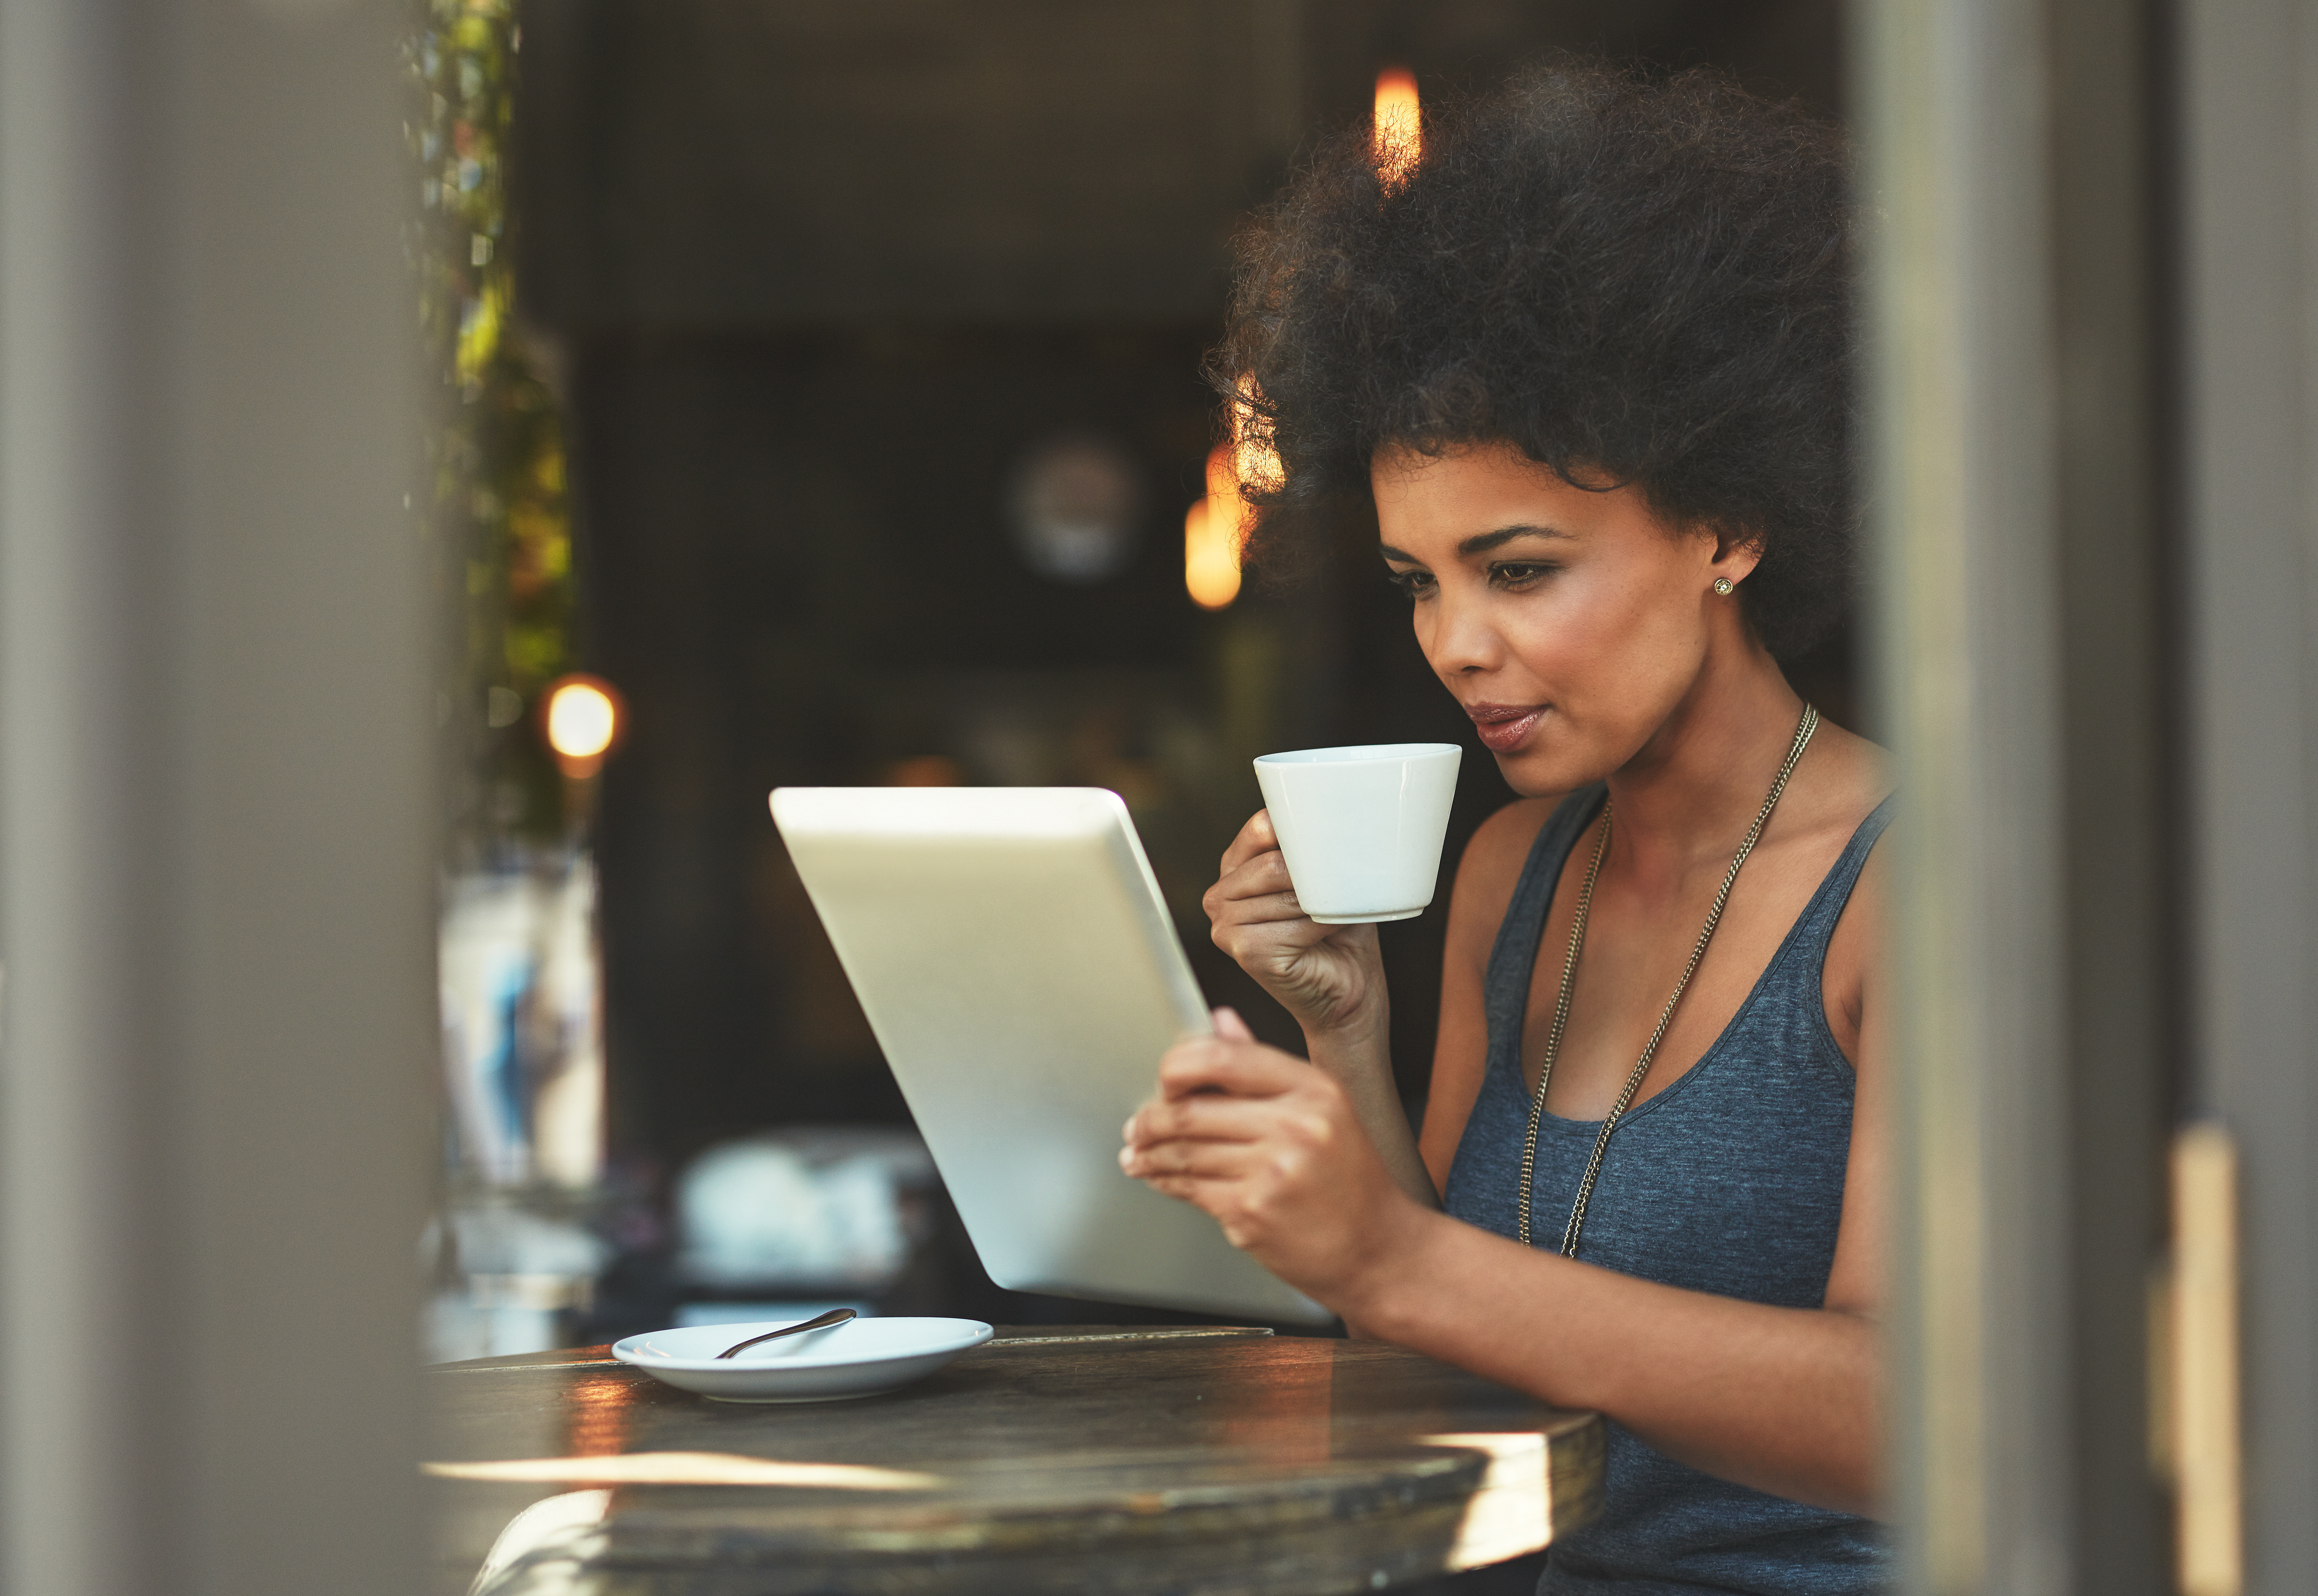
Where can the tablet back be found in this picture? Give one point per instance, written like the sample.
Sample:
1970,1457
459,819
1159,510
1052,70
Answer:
1015,958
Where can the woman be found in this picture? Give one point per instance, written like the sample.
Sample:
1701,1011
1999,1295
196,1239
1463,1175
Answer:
1590,361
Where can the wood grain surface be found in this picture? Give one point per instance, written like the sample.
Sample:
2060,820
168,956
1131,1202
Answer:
1095,1460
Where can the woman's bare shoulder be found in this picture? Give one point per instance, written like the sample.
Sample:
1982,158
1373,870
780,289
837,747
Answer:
1493,861
1507,836
1857,772
1851,972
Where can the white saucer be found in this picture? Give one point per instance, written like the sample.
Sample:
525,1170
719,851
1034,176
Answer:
860,1358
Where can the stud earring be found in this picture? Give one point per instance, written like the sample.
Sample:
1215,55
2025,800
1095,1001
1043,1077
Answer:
1723,586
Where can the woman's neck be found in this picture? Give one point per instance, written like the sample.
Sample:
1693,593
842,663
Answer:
1689,795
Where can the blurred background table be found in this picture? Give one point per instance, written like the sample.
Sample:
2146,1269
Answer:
1054,1460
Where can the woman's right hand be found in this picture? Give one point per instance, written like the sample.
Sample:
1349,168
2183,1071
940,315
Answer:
1329,977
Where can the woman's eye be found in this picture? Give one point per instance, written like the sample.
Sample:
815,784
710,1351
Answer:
1517,574
1417,584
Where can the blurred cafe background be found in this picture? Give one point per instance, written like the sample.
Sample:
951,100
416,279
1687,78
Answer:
825,383
456,456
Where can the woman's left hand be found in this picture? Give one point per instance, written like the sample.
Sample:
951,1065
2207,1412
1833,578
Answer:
1270,1146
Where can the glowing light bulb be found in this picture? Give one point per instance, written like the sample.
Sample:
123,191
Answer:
1213,529
1396,137
583,721
1211,561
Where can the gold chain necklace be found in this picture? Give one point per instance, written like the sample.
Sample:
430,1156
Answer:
1804,730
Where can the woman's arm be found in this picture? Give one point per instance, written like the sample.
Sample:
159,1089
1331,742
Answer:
1785,1400
1330,977
1332,980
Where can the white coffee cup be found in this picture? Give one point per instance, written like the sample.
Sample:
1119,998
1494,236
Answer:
1362,827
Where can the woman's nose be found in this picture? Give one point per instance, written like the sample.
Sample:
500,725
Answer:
1457,637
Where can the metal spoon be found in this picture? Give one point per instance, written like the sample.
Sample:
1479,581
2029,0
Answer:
834,1316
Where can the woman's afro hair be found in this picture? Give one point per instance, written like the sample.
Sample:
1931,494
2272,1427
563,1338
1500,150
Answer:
1638,278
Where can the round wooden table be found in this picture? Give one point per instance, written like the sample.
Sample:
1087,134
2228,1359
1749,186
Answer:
1078,1460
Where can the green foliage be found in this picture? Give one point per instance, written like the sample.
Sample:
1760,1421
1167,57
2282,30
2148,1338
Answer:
499,505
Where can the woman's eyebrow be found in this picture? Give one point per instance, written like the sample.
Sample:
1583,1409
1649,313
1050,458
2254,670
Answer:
1481,542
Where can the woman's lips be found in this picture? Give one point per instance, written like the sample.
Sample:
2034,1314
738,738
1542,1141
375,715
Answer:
1503,727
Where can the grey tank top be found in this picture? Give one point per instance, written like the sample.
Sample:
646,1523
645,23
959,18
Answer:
1730,1181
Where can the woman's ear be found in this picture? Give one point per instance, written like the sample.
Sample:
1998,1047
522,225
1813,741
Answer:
1737,553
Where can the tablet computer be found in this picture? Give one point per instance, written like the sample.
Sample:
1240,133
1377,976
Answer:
1018,964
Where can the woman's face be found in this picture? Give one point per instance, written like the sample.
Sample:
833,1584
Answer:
1570,624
